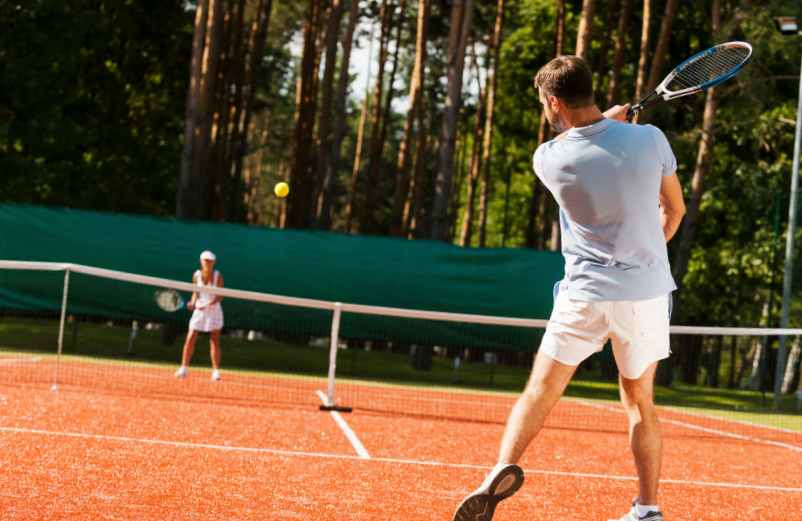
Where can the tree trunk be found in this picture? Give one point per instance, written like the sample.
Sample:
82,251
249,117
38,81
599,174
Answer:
552,227
746,357
604,51
223,106
473,170
559,28
402,178
537,201
229,189
374,147
324,203
414,211
505,220
583,36
690,358
460,173
614,91
714,362
251,169
640,84
759,346
487,144
375,192
188,194
660,52
325,118
733,362
193,187
243,192
791,368
302,175
461,13
360,138
211,99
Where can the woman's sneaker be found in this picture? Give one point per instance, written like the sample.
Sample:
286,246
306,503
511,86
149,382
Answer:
502,482
632,515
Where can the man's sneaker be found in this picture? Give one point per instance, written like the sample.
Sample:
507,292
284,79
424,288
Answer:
215,375
502,482
632,515
181,372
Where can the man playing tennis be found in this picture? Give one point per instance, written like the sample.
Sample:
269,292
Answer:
620,202
207,315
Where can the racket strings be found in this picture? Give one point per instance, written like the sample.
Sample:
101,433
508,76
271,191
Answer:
710,67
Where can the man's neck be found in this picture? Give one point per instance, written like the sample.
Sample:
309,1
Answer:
582,117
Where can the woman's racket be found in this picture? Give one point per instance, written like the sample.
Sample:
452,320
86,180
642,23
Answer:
699,72
169,300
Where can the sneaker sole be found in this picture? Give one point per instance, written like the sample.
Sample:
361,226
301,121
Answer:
481,507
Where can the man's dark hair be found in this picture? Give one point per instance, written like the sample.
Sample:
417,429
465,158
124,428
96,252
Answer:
569,78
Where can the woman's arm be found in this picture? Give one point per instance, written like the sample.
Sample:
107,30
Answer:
191,303
218,298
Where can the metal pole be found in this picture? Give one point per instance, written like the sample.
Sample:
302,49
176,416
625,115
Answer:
66,290
779,373
335,340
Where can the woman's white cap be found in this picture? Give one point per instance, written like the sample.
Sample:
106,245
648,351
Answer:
207,255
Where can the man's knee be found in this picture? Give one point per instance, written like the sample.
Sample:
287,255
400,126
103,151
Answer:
637,393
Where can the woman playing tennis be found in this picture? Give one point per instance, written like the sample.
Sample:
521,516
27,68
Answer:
207,315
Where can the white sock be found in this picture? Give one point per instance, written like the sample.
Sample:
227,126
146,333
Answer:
645,509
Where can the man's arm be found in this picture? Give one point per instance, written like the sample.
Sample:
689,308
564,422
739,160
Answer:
617,112
672,205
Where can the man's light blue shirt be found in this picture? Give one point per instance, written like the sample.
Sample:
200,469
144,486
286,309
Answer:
606,179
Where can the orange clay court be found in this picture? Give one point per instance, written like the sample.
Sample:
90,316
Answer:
133,443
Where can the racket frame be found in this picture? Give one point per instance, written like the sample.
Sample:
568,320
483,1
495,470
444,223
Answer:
662,92
176,296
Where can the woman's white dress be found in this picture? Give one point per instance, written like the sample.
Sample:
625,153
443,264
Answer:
210,316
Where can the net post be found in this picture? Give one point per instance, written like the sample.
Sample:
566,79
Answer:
64,294
330,405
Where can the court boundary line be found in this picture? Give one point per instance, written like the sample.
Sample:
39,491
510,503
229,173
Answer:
398,461
347,431
698,414
12,360
708,430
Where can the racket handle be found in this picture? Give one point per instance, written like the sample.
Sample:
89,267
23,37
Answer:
633,111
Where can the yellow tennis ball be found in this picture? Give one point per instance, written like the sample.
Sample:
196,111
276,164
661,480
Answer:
282,189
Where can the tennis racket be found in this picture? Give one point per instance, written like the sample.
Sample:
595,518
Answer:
699,72
169,300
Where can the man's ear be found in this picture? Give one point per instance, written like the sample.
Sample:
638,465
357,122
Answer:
554,103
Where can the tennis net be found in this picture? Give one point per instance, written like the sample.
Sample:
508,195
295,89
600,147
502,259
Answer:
74,327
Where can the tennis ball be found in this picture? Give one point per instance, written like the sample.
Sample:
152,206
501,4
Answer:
281,189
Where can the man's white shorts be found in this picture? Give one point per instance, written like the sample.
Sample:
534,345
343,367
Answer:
638,330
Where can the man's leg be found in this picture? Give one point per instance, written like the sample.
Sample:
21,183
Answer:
546,385
637,396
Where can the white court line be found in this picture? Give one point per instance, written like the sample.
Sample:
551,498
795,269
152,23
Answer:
708,430
398,461
351,435
17,359
771,428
